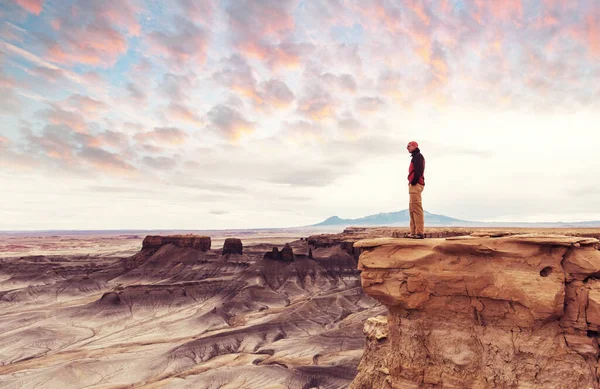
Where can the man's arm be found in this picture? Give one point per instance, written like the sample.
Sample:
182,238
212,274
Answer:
418,164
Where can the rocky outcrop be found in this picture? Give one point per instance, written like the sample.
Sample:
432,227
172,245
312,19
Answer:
232,246
193,241
286,254
519,311
373,367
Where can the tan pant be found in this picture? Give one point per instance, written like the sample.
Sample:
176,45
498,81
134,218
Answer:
415,209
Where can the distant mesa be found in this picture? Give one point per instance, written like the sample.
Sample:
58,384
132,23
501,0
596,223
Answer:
286,254
390,218
402,218
232,246
193,241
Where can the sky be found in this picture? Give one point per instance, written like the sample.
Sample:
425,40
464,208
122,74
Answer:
222,114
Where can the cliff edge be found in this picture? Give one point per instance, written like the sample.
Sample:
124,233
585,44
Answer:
519,311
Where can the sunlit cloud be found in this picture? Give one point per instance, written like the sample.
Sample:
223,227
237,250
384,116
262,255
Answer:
71,119
186,44
183,113
230,123
163,135
105,161
32,6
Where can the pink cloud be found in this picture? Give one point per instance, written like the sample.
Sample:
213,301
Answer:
162,135
90,33
85,104
187,44
49,74
317,103
255,24
31,6
303,131
229,122
97,44
345,82
592,31
369,104
55,142
105,161
136,93
4,142
73,120
200,11
113,139
506,10
6,82
275,94
183,113
18,161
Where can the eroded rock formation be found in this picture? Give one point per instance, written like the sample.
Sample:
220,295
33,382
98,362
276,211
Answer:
192,241
286,254
232,246
516,311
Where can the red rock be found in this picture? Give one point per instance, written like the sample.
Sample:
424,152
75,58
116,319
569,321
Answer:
193,241
482,312
232,246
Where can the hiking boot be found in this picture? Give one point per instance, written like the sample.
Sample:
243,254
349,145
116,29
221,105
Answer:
418,236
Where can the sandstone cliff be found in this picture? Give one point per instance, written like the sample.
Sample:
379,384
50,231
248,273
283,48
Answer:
517,311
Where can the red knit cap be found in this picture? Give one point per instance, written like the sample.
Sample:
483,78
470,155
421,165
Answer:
413,143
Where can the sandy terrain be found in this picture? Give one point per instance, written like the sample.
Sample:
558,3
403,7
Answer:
93,311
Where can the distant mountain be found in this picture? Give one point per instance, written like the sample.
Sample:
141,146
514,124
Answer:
402,218
392,218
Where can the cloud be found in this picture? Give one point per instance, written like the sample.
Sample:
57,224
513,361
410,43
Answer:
278,55
351,128
10,102
302,131
317,103
163,135
344,82
95,44
59,116
275,94
49,74
105,161
177,87
151,148
218,212
31,6
187,43
200,11
183,113
229,122
159,163
85,104
315,177
254,22
204,183
369,104
92,32
238,76
56,142
114,139
136,93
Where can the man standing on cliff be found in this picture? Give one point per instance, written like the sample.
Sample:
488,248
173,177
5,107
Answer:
416,184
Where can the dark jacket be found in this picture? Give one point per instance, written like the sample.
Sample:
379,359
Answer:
416,170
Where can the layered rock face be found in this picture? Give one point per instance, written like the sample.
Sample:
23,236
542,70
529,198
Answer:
518,311
183,317
191,241
232,246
